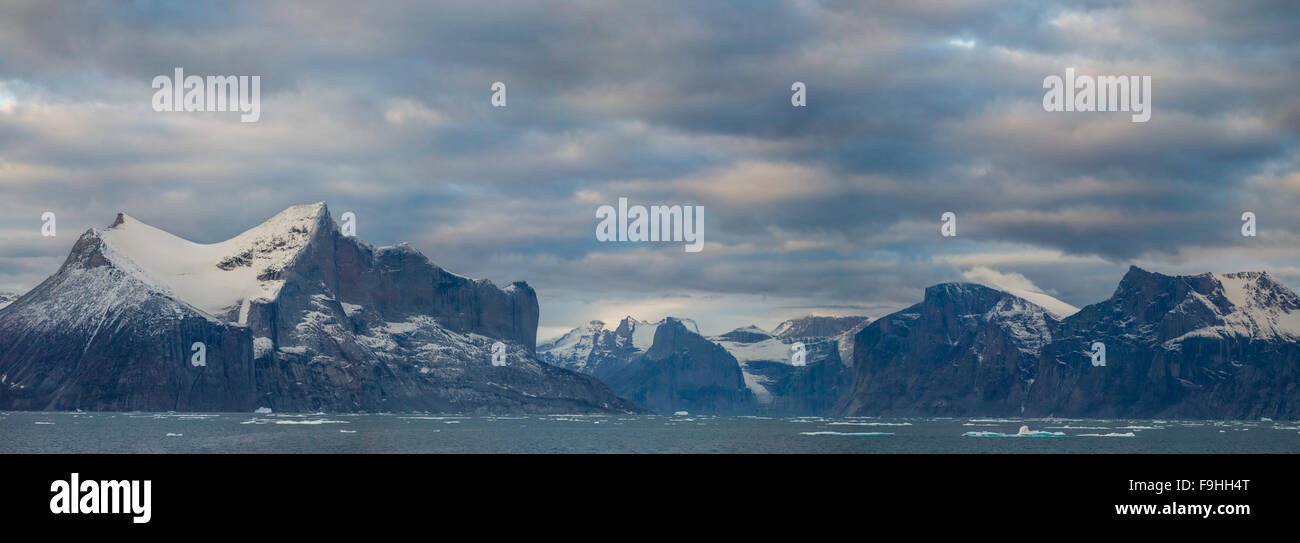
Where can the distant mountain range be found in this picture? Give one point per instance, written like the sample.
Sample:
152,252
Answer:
1196,346
292,315
667,366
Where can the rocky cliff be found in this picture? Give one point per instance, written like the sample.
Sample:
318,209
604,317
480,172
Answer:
1196,346
292,315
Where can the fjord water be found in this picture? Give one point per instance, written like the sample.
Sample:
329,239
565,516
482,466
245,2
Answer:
44,432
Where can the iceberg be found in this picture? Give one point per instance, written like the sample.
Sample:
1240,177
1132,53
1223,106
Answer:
1024,432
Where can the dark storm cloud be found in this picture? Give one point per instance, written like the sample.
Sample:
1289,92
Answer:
914,109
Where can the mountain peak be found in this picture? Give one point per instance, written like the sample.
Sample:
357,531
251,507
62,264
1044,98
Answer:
745,335
817,326
1239,304
217,277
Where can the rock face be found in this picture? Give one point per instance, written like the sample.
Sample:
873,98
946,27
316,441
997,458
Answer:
292,315
1200,346
779,386
683,371
965,349
664,366
763,360
817,327
596,351
7,298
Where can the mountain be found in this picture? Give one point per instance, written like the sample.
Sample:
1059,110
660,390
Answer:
1195,346
292,315
812,326
683,371
599,352
764,360
779,386
665,366
964,349
7,298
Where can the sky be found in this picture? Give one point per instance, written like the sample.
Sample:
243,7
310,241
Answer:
912,110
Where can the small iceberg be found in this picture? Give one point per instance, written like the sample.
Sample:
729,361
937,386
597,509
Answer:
262,411
347,431
1024,432
169,434
869,423
680,414
853,434
1111,434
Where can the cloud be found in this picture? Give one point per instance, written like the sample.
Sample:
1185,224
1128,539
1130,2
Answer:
1021,286
914,109
997,279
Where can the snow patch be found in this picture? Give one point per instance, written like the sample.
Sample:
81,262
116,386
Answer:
219,277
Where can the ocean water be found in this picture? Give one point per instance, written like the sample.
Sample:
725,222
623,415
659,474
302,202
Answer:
40,432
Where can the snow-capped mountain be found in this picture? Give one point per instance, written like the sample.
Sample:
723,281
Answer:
665,366
7,298
291,314
763,360
683,371
813,326
1197,346
767,364
964,349
594,350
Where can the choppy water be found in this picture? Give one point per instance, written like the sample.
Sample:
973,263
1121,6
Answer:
25,432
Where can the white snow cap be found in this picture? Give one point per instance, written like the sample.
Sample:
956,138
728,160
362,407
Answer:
1021,287
219,277
643,332
1261,308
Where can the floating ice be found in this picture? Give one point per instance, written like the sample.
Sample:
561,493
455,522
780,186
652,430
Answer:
1024,432
869,423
